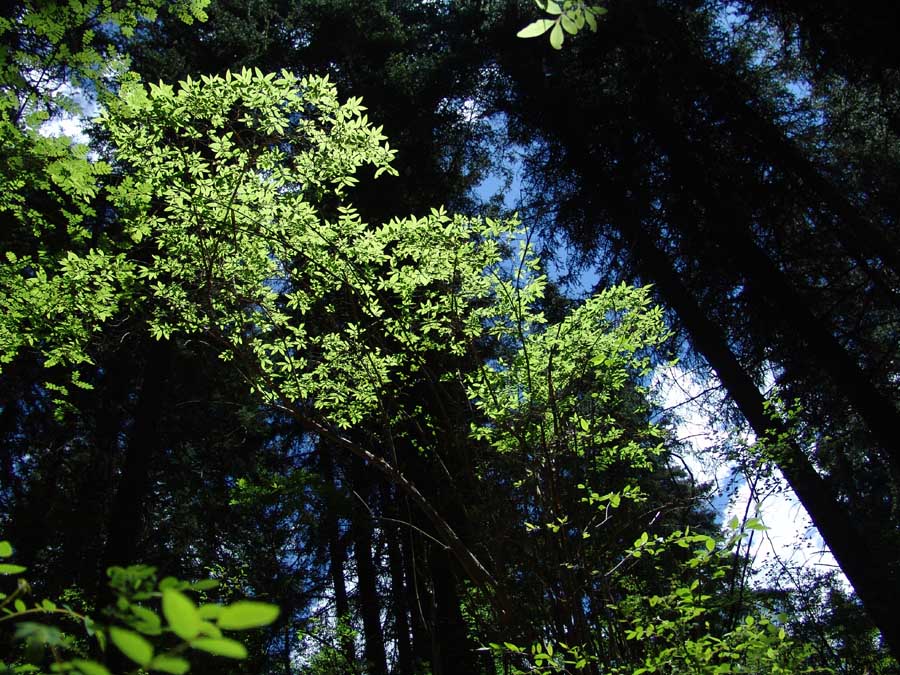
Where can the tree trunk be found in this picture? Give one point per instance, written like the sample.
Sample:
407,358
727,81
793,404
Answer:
337,558
875,583
453,650
776,294
400,610
126,523
366,575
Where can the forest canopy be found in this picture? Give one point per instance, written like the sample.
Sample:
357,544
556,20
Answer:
256,416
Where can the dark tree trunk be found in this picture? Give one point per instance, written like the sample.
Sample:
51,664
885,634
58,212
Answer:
337,555
366,574
453,650
399,595
875,583
126,523
418,599
775,294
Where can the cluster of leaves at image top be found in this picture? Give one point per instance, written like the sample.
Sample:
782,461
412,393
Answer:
236,185
570,17
157,640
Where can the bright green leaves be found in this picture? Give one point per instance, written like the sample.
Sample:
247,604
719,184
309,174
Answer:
193,625
56,310
543,658
536,28
138,632
133,645
226,647
181,613
244,255
169,664
7,569
535,395
246,614
89,667
556,36
570,17
674,626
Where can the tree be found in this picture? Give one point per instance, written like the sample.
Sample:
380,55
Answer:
714,196
471,443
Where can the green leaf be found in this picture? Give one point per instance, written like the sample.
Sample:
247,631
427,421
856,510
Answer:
536,28
246,614
569,25
181,614
209,611
132,645
553,8
6,549
148,622
170,664
11,569
591,21
556,37
221,647
90,667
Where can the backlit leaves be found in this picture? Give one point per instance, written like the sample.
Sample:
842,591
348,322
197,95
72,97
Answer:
181,614
570,17
132,645
246,614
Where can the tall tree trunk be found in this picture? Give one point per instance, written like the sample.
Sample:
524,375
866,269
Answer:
453,650
875,582
366,574
400,610
126,522
337,557
776,293
418,599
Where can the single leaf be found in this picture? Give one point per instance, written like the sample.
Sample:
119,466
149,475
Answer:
181,614
556,37
553,8
569,24
132,645
209,611
11,569
90,667
6,549
170,664
149,622
221,647
536,28
246,614
591,21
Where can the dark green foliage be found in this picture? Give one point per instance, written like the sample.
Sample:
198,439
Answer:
404,435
